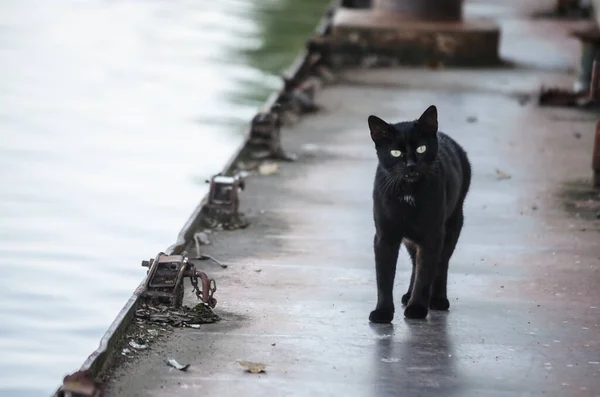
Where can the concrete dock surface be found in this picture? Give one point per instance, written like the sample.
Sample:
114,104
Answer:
524,282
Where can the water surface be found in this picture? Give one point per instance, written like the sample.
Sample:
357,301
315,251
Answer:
112,114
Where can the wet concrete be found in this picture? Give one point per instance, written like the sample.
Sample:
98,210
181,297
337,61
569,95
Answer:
523,283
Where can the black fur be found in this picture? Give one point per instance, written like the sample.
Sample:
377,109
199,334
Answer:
417,200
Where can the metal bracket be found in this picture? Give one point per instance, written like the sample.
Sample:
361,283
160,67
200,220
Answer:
164,281
223,195
80,384
265,134
587,98
586,91
573,8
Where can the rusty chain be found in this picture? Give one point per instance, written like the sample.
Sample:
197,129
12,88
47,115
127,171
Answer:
209,287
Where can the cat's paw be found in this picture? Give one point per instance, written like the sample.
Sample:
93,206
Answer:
415,311
405,298
439,303
382,316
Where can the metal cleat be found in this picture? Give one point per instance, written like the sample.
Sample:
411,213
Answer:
80,384
265,134
164,281
223,194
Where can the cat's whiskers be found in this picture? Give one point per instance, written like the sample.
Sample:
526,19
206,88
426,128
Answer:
389,183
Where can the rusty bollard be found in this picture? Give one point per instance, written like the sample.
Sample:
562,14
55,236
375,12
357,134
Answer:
596,156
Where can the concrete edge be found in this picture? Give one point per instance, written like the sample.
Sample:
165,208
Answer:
100,358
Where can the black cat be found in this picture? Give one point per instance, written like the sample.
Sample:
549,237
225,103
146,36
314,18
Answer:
420,186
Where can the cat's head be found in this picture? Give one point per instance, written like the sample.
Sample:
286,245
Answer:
406,149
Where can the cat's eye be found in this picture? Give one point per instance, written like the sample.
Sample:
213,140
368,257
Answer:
421,149
396,153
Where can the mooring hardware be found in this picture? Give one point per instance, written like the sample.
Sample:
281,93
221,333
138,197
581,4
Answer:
223,195
265,131
80,384
265,135
585,91
164,281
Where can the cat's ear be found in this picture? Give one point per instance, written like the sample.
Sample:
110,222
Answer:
380,130
428,122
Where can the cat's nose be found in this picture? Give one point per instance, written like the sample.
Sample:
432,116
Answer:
410,165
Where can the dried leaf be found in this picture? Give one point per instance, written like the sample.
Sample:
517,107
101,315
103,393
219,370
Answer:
251,367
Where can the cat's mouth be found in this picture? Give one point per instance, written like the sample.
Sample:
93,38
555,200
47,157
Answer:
411,176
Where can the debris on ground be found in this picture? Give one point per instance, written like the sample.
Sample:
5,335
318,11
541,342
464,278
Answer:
137,346
218,221
577,135
182,317
204,257
251,367
471,119
247,165
201,238
581,200
268,168
139,337
502,175
173,363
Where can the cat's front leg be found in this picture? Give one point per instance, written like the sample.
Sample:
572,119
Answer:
386,256
428,256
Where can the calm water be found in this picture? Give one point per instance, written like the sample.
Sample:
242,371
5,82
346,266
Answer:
103,105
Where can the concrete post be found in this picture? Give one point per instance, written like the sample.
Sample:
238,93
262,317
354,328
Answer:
426,10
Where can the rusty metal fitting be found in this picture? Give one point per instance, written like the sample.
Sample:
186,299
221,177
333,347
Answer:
574,8
223,195
560,97
424,10
265,135
164,280
80,384
209,286
265,127
298,96
596,156
318,44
